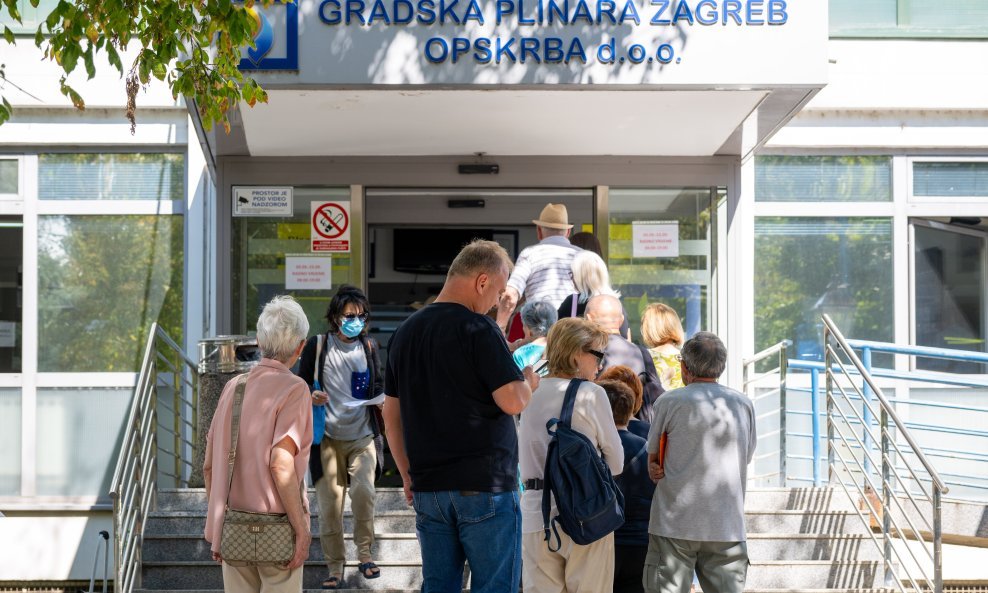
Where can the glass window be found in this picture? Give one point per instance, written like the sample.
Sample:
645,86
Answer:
909,18
31,17
261,246
805,267
152,176
102,281
678,275
11,264
8,176
823,179
950,295
10,442
79,433
950,179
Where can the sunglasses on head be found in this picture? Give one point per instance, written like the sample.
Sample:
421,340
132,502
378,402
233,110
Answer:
352,316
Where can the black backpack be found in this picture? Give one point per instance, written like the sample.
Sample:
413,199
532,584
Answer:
590,504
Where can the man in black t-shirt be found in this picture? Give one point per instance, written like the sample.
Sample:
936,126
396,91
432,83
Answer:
452,388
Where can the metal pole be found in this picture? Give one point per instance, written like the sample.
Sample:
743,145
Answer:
744,379
886,499
866,413
830,405
817,439
783,411
937,541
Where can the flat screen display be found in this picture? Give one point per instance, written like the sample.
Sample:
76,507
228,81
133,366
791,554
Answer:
431,251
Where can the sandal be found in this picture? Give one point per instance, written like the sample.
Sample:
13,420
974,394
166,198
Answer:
375,571
333,582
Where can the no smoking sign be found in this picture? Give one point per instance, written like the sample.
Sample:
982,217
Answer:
330,227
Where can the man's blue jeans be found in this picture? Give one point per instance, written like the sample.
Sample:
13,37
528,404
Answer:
482,528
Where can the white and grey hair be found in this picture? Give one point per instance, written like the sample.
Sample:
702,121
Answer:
704,355
280,328
590,276
538,317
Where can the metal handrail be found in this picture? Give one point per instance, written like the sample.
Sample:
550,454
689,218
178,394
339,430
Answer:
147,441
746,382
890,477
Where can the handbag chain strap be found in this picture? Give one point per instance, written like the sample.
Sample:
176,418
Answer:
238,404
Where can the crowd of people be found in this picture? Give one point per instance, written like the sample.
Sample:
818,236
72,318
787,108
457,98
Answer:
467,401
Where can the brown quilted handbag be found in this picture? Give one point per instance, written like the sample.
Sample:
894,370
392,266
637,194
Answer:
248,538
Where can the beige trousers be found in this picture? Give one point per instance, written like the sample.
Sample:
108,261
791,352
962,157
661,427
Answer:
573,569
261,579
358,459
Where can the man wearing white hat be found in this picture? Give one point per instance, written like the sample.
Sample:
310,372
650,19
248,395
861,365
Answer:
542,271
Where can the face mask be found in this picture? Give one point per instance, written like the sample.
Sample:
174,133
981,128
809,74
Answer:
351,328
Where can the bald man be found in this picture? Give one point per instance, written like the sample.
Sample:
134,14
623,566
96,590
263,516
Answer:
606,311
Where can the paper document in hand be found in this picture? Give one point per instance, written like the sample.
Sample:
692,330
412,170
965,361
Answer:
356,403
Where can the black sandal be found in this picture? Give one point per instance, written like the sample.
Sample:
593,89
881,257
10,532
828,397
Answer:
333,583
375,571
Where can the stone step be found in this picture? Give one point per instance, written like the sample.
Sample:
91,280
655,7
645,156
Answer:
191,546
787,574
793,522
181,522
208,575
814,574
194,499
780,546
801,499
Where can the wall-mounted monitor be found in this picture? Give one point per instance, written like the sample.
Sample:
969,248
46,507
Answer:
431,250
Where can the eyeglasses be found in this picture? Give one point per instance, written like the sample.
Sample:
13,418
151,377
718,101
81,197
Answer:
352,316
679,357
598,354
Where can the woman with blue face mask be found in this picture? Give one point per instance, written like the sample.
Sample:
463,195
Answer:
343,369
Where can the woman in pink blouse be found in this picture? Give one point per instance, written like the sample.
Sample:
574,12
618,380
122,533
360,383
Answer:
272,449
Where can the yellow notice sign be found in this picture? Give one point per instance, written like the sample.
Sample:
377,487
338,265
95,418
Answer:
293,231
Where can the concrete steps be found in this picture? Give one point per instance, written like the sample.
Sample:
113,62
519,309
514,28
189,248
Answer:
800,540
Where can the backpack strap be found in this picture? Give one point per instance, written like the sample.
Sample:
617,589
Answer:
566,415
576,299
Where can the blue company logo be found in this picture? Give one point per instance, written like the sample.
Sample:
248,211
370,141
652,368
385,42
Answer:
267,35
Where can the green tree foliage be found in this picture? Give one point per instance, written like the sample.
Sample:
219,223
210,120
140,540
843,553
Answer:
192,45
102,281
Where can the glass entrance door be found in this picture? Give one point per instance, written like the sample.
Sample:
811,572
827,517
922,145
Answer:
949,283
661,246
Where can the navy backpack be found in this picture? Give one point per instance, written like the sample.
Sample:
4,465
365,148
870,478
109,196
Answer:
590,504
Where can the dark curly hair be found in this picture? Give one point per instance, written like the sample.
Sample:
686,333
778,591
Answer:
344,296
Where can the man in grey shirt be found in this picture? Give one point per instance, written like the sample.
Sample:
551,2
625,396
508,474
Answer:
700,444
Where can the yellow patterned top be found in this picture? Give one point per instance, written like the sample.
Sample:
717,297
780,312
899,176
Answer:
670,373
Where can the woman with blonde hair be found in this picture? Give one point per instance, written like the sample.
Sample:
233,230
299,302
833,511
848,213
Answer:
574,352
590,277
663,335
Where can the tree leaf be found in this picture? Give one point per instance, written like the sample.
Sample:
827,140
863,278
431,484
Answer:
8,35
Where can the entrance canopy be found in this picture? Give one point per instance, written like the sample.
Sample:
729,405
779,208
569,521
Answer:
527,77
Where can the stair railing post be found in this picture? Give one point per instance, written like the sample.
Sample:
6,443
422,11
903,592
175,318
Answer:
937,540
783,369
886,499
866,411
817,437
827,363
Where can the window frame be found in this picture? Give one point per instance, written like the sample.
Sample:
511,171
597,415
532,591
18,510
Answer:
955,202
30,380
903,30
17,196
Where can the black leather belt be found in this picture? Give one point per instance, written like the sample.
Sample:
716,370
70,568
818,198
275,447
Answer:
534,484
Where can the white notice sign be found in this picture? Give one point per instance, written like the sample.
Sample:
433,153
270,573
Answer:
655,239
8,334
262,201
308,273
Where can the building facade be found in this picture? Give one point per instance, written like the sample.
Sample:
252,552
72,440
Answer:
753,164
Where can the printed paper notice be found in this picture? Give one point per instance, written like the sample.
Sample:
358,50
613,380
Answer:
308,273
655,239
262,201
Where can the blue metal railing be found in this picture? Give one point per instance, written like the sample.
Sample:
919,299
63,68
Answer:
974,456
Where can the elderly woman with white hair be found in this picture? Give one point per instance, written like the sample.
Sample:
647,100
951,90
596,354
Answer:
589,273
272,451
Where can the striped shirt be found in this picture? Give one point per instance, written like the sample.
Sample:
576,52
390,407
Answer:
542,272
